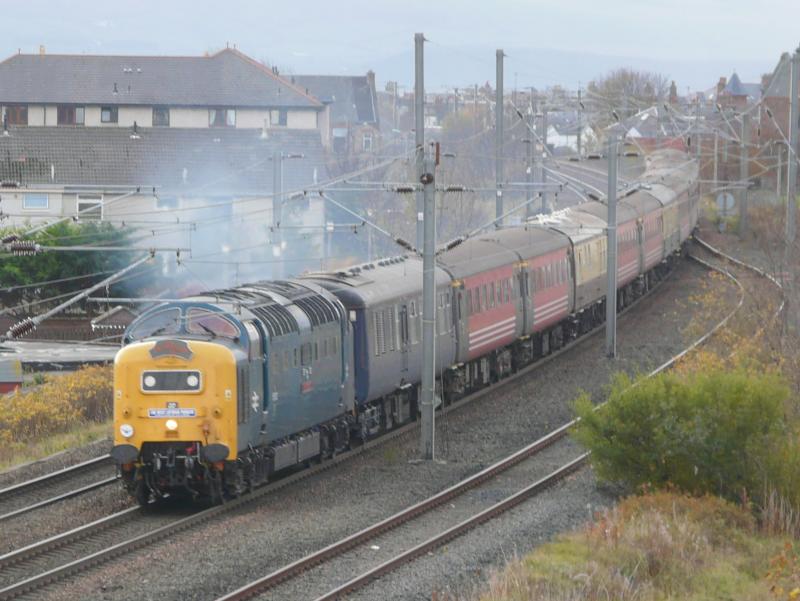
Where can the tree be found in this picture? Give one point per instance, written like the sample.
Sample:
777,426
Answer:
18,273
625,91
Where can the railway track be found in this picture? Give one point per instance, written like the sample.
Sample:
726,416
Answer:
54,487
27,574
355,543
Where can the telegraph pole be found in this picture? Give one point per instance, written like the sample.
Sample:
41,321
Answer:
428,312
744,173
498,145
277,209
544,154
419,124
611,241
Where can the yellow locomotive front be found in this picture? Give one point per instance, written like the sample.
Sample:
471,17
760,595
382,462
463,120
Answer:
175,421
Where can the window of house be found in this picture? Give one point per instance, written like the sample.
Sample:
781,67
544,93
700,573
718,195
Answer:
17,114
222,118
108,114
90,207
71,115
35,202
160,116
367,143
279,117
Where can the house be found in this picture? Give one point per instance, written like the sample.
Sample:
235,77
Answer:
353,104
224,90
774,119
179,149
735,94
10,375
563,130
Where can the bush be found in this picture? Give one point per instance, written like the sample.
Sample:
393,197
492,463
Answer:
715,432
57,405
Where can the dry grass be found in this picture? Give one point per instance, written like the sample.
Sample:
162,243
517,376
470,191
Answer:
652,547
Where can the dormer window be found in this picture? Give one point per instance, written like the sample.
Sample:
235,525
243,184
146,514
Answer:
222,118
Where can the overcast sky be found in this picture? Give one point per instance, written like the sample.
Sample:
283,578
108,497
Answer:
548,41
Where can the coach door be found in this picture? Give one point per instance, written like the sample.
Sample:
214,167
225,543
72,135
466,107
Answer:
404,336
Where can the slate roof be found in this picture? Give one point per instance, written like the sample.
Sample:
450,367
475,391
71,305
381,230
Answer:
227,78
735,87
213,161
352,98
778,86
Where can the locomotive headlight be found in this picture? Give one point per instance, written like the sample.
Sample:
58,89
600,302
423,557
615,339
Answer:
126,430
192,381
171,425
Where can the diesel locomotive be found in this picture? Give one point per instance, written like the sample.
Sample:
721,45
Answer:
215,393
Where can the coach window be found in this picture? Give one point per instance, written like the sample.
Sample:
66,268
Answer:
491,295
316,351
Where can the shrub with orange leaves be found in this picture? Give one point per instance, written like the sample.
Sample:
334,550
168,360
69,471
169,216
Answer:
784,572
55,406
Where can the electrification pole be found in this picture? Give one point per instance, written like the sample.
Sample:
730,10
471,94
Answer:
529,160
791,189
475,109
419,123
498,145
716,159
744,173
611,241
580,126
791,201
428,312
544,155
277,209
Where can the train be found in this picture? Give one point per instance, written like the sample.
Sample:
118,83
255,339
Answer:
216,393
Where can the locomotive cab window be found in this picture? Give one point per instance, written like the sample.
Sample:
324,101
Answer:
159,323
203,321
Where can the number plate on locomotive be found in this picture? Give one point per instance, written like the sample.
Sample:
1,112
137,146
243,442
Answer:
171,412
